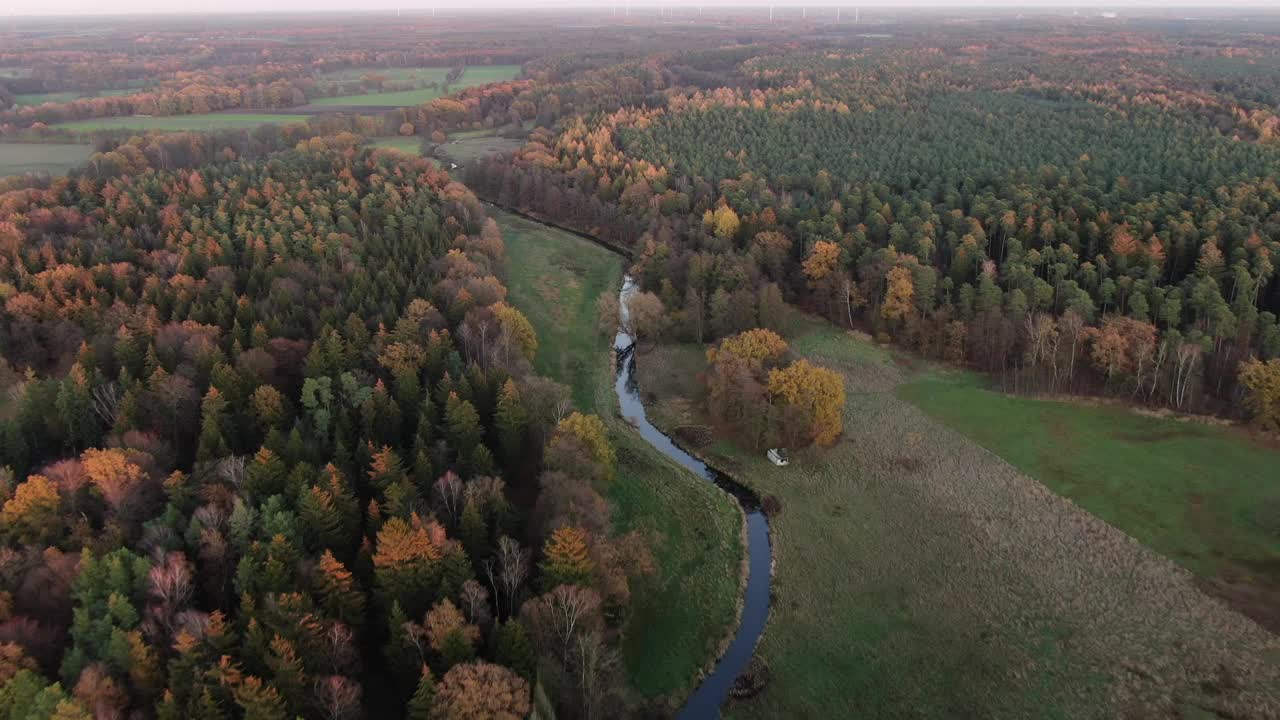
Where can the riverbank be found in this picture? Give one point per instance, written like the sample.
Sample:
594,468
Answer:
682,615
920,575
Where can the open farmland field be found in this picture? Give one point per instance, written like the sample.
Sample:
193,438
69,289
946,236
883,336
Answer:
55,159
919,575
210,121
479,75
683,612
61,97
403,98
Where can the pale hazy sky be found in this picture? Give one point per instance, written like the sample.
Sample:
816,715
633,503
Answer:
103,7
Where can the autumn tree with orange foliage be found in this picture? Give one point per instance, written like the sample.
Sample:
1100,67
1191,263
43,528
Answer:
481,691
566,558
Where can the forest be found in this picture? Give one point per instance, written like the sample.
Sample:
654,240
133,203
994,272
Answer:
306,410
1066,234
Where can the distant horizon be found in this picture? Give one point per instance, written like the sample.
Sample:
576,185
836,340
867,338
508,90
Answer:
91,8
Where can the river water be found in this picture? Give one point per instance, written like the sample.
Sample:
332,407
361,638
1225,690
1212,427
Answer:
705,702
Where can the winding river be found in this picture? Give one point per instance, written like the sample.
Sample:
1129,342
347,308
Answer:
705,702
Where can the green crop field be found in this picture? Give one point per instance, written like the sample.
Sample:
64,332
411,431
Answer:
919,575
683,612
68,96
210,121
55,159
478,75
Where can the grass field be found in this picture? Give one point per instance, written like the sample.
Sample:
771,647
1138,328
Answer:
68,96
465,149
478,75
1200,494
919,575
555,279
403,98
411,145
681,615
209,121
55,159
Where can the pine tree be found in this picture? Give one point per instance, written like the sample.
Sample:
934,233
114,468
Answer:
513,648
511,420
420,704
463,425
212,444
473,532
265,476
338,593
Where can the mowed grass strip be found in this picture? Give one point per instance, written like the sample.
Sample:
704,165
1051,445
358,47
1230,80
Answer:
682,613
208,121
1202,495
55,159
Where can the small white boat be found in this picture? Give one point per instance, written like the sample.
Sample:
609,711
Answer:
778,457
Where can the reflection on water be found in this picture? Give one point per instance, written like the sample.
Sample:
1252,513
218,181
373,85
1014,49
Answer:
706,700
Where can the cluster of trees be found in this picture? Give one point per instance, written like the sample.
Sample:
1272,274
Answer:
1067,246
272,448
768,399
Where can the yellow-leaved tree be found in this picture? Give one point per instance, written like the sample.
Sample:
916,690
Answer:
1262,385
812,399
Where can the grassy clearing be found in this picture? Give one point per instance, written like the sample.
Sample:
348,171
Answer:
68,96
682,613
918,575
411,145
478,75
466,148
55,159
208,121
1202,495
555,279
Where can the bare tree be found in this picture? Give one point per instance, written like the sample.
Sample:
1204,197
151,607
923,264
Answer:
475,603
231,469
569,608
507,570
106,403
340,646
451,492
171,589
593,661
644,316
337,696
